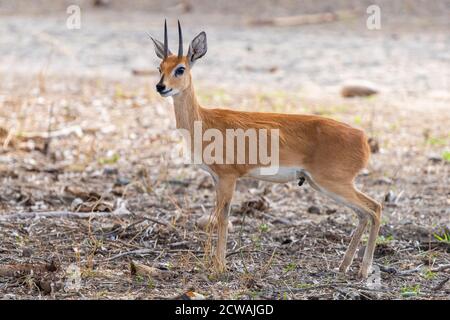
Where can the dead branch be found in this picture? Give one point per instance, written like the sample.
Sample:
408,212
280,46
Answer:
440,285
157,221
139,269
333,286
127,253
62,214
441,268
149,251
53,134
48,140
16,270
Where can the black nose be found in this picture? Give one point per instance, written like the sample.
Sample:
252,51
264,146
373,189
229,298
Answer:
160,87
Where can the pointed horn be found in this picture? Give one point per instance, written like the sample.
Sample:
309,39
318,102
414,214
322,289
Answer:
180,41
166,45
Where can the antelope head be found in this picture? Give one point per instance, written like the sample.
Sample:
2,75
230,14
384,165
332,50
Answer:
175,70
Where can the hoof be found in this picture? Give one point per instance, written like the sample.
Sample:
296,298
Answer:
220,266
343,268
363,274
206,221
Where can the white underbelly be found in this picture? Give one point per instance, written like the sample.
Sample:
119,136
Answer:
282,175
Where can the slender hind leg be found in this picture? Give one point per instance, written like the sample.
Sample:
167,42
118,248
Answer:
365,208
374,229
354,242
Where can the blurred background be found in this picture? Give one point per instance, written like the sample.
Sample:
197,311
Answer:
82,129
281,44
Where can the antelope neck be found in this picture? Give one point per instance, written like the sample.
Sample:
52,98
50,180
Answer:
186,109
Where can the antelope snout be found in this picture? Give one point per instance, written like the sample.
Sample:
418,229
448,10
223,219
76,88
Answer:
160,87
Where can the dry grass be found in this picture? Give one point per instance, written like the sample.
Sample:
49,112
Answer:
283,252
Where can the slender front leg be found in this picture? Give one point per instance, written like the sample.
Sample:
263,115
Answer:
225,189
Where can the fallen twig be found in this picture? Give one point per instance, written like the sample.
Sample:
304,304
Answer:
140,269
157,221
48,140
62,214
441,268
132,252
248,251
332,286
440,285
14,270
149,251
53,134
392,270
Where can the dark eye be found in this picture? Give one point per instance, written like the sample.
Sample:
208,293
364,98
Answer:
179,71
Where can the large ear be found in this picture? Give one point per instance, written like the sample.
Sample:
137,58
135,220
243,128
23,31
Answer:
197,48
159,48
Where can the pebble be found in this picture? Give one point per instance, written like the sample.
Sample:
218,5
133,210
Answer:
76,203
390,196
434,158
122,181
110,171
383,180
27,252
314,210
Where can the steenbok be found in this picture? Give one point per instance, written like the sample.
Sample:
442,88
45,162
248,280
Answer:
326,153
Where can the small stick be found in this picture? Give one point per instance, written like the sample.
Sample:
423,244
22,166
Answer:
46,150
441,268
334,286
164,223
440,285
61,214
127,253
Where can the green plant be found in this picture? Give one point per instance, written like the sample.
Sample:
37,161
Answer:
436,141
384,240
291,266
254,294
357,120
429,275
170,265
304,285
111,160
446,156
445,237
263,227
150,283
410,291
256,241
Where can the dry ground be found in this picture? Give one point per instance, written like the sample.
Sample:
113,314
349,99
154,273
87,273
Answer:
113,146
277,249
